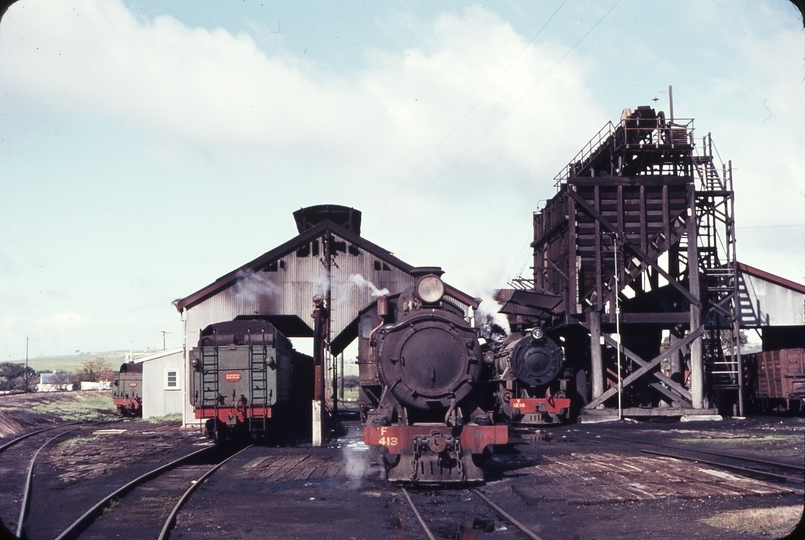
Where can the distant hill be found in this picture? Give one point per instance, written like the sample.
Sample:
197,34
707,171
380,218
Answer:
73,362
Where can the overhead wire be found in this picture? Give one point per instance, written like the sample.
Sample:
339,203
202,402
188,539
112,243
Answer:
467,114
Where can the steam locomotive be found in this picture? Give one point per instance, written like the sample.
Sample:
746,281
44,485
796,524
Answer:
247,379
424,385
533,389
127,390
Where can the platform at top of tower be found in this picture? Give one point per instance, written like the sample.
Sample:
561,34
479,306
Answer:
642,143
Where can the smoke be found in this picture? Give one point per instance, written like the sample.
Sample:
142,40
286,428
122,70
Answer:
251,286
355,460
357,280
493,324
360,282
322,284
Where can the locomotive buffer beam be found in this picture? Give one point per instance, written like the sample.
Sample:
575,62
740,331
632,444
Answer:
435,452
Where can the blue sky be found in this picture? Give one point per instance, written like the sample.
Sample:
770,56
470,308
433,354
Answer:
149,147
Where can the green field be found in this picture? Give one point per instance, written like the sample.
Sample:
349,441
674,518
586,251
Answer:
73,363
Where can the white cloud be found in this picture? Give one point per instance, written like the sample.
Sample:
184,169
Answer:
232,133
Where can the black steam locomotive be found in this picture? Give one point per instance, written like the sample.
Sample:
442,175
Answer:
247,378
423,384
533,379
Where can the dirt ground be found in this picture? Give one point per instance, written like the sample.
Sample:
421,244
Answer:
26,412
571,482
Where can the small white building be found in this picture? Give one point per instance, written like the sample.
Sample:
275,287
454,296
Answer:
100,385
163,379
54,382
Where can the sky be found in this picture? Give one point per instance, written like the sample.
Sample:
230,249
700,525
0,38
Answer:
149,147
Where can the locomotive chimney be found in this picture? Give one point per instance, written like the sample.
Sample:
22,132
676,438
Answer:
383,306
420,271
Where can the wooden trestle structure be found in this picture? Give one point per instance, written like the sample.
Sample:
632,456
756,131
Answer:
640,238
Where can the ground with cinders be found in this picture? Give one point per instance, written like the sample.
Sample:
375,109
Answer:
567,482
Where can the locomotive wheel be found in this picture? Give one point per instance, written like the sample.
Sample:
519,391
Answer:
209,429
219,433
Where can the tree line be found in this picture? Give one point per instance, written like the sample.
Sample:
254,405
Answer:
16,377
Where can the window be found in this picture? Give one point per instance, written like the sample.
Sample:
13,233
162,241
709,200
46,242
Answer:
171,379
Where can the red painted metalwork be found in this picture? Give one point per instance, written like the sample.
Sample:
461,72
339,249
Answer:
127,403
551,405
241,415
398,438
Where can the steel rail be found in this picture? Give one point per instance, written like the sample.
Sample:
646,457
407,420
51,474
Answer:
23,437
787,478
418,515
508,517
719,454
12,442
88,516
26,499
171,521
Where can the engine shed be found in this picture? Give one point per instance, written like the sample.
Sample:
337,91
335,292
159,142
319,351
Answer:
328,258
635,267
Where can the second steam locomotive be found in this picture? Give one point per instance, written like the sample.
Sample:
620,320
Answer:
247,378
425,386
533,382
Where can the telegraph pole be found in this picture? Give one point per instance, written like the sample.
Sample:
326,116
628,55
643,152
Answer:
25,376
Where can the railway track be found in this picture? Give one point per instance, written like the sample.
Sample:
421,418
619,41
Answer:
470,512
149,504
88,461
19,480
748,465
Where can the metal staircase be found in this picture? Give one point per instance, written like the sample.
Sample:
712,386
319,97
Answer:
717,264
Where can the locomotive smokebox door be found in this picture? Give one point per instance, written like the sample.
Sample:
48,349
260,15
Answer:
435,362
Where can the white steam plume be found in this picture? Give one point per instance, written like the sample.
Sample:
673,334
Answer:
362,283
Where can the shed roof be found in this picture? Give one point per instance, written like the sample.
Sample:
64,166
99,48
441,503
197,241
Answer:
777,280
311,231
283,250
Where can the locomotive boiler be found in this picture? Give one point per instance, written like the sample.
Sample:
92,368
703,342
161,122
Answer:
246,378
533,386
423,384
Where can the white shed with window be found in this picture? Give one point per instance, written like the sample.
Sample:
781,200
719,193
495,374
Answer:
162,383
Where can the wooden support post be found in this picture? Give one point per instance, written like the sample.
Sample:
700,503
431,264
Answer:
320,317
696,363
677,370
597,367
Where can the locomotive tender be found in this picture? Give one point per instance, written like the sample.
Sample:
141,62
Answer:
128,388
423,384
243,378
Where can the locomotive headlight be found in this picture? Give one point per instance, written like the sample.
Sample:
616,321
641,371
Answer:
430,289
537,333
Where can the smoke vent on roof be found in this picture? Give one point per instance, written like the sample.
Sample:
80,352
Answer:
348,218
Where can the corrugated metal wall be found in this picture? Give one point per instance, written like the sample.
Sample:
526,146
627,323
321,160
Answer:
288,287
158,400
763,303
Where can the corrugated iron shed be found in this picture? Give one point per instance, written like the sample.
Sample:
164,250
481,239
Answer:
283,281
769,300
